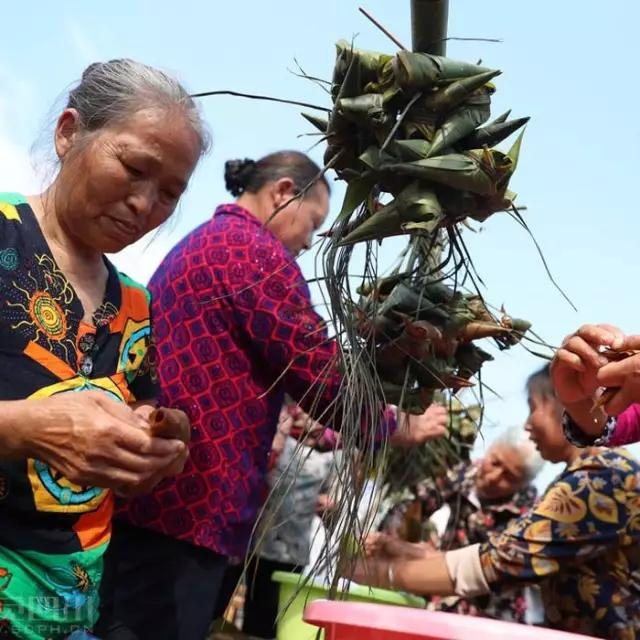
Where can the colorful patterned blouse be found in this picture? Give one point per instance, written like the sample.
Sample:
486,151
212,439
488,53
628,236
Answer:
53,533
581,544
471,521
235,329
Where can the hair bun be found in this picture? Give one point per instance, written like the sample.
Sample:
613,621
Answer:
237,174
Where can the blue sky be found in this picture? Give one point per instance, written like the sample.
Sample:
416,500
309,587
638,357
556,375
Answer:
568,65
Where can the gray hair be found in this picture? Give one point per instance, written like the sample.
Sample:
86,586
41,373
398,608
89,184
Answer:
513,438
109,92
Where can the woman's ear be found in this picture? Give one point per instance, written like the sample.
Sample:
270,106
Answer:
66,132
283,190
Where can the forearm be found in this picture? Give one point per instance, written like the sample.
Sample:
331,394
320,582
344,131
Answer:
144,404
18,429
428,576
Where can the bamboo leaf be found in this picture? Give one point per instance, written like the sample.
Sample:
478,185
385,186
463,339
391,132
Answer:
514,153
455,170
421,70
492,134
460,124
458,91
415,204
356,194
322,124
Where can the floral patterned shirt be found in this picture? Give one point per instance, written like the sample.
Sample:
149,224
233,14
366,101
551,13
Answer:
580,543
471,521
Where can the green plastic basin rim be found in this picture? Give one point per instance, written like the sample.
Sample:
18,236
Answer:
379,595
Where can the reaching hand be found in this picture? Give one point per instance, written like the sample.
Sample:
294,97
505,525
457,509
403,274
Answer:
576,365
623,375
384,546
416,430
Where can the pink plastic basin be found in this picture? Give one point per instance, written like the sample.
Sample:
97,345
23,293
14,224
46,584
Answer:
361,621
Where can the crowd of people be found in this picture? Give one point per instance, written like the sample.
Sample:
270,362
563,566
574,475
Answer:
138,423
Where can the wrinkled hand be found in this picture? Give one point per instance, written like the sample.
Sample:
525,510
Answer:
388,547
367,571
416,430
285,422
310,432
94,440
623,375
576,365
374,543
175,425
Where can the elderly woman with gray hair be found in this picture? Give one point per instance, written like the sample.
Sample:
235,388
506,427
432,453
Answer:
77,381
463,508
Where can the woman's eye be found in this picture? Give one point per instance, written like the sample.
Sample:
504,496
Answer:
169,196
131,170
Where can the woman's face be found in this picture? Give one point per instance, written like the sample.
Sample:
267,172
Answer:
544,426
296,223
124,180
500,473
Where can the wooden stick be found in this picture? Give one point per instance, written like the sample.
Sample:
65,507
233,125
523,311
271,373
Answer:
382,28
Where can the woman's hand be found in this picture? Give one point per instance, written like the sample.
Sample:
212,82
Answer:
325,504
384,546
416,430
575,367
373,572
623,375
94,440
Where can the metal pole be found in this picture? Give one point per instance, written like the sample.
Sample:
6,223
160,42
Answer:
429,26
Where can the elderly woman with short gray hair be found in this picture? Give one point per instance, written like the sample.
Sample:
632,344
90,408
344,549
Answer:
77,381
464,507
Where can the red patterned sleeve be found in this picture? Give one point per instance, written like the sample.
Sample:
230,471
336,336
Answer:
289,337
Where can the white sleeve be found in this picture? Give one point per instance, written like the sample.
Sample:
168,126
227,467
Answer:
466,572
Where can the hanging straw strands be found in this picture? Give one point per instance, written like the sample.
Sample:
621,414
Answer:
406,134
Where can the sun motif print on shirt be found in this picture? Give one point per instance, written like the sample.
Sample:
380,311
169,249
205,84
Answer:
36,301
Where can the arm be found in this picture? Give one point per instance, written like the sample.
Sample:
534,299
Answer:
291,339
627,429
88,437
456,572
533,547
425,576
